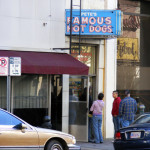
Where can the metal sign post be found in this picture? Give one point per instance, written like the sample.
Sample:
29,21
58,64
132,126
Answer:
8,92
10,67
4,71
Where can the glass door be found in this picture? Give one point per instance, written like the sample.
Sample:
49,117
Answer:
78,104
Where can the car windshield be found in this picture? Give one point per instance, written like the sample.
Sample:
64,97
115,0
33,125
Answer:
142,119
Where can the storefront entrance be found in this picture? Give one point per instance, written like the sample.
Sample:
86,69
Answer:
82,92
81,96
34,96
78,107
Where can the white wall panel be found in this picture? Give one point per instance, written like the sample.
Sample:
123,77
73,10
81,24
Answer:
86,4
90,4
58,34
17,32
58,24
111,4
43,9
58,10
9,7
28,24
26,8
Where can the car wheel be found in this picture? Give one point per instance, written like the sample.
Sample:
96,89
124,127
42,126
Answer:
54,145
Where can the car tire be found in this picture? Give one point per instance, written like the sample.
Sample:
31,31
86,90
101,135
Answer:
54,145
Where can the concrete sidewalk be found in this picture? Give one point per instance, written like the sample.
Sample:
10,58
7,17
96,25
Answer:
107,145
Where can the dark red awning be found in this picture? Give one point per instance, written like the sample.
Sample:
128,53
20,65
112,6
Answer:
47,63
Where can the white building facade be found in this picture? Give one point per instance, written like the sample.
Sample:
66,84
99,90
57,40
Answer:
39,26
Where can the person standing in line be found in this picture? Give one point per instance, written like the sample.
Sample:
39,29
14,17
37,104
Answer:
97,108
115,111
127,109
90,124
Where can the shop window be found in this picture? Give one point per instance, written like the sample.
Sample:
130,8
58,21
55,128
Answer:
87,56
3,92
133,63
30,98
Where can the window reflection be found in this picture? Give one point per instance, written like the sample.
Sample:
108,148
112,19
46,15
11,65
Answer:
133,63
30,98
87,56
3,92
77,100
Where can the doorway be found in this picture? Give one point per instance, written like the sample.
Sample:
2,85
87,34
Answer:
80,99
56,102
78,107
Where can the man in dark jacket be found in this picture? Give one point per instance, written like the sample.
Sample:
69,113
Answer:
115,111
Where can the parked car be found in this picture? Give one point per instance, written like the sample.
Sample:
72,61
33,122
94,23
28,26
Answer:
136,136
18,134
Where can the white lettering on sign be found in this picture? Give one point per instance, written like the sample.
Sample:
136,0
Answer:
91,14
91,20
15,66
103,24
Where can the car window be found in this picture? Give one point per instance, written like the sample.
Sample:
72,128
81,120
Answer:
142,119
8,119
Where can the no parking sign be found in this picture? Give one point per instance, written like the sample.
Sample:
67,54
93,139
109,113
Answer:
4,66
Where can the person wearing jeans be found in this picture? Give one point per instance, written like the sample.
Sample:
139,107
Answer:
126,123
115,111
97,123
97,108
116,121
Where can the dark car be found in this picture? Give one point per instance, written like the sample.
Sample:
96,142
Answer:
134,137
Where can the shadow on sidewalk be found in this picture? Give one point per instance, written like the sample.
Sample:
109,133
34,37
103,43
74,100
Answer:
107,145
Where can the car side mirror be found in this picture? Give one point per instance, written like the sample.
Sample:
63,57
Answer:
23,126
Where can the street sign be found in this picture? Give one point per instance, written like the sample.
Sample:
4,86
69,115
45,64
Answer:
4,66
15,66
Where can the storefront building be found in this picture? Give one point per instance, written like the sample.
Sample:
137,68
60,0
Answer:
53,82
98,50
133,52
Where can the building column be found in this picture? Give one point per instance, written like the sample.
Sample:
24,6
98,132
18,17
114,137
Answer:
110,75
100,68
65,103
110,83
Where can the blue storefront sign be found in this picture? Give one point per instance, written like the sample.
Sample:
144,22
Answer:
94,22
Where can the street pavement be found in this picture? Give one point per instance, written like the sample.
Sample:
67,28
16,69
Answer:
107,145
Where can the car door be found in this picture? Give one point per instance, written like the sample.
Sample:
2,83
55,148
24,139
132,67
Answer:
12,137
